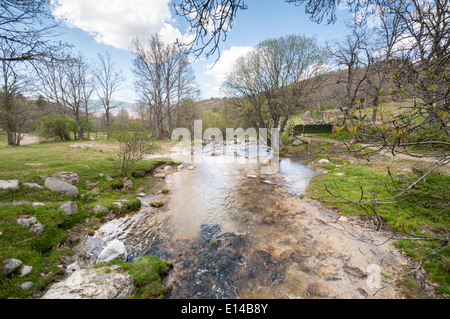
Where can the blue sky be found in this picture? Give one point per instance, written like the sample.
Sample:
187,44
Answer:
109,25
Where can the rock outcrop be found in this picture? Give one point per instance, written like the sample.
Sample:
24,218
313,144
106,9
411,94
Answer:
102,283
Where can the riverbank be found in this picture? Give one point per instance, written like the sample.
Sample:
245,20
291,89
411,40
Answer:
42,252
421,211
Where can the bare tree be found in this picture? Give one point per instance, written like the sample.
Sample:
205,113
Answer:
29,26
87,89
26,32
163,79
419,72
134,144
65,82
14,109
211,20
387,33
109,82
74,90
354,56
149,79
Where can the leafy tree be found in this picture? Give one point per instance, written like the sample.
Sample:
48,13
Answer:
277,79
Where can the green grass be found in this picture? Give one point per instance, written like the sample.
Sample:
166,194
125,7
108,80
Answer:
148,272
41,252
423,210
156,204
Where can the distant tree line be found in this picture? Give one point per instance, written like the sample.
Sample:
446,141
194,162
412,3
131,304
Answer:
47,87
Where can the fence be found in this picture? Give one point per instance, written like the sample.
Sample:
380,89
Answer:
313,128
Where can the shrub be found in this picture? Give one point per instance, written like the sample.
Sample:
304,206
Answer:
54,127
134,143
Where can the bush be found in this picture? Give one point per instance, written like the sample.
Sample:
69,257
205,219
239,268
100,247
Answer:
134,143
54,127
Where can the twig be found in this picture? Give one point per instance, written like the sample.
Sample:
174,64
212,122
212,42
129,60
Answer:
29,239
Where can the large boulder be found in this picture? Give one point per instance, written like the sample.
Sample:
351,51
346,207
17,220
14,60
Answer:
62,187
69,208
87,251
9,185
114,250
102,283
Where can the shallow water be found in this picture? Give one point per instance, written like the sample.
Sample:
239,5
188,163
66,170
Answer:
238,229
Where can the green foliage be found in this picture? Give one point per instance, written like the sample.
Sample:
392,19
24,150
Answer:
55,127
101,214
433,133
59,127
117,184
214,120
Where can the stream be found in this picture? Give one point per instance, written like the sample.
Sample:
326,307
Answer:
239,229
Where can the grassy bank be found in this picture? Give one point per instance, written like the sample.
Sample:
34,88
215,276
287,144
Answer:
99,184
422,211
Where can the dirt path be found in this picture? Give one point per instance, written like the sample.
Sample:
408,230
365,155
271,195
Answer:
404,160
29,139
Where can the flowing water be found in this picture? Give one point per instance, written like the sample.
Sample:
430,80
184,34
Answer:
239,229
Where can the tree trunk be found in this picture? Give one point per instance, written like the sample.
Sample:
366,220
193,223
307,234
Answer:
80,132
108,124
87,125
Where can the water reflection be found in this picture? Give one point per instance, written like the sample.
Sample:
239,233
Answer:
217,192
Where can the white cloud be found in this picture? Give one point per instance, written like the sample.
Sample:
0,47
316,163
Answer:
116,22
224,65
